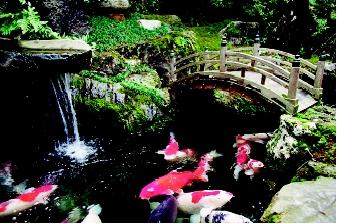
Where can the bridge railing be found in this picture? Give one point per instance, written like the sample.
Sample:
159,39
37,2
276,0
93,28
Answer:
286,69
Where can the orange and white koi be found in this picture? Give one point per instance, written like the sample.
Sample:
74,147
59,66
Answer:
26,200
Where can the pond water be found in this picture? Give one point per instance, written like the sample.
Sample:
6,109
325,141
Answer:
116,166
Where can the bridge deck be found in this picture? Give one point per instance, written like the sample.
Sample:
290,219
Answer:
305,100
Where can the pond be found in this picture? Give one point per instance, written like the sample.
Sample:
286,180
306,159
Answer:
116,166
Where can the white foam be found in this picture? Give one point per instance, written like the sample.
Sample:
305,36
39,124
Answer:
77,151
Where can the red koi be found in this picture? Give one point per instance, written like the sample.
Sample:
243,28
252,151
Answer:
174,181
26,200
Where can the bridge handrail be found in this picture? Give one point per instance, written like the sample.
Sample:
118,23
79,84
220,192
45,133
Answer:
198,54
281,70
305,62
287,63
259,70
268,93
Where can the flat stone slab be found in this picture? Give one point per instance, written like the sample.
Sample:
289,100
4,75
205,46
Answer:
53,56
304,202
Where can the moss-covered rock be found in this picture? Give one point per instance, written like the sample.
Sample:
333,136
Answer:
312,170
306,202
310,136
133,98
238,102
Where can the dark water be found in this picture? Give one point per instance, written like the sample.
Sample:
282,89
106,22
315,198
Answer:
123,164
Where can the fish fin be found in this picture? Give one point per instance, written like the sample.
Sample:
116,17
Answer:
180,191
153,205
161,152
195,218
249,172
95,209
205,211
75,215
21,187
172,135
28,190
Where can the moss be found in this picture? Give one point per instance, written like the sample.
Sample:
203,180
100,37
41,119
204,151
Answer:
107,33
276,218
77,82
238,102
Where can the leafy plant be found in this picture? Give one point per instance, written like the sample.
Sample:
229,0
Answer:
25,24
109,34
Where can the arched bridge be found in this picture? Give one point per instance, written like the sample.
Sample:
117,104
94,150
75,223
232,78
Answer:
291,82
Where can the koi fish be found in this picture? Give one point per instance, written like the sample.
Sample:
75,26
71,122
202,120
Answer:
172,152
174,181
225,217
166,212
93,212
251,168
202,202
258,137
243,150
26,200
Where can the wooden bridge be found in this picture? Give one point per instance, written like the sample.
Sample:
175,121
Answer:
285,79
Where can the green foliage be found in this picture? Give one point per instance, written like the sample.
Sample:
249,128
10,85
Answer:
25,24
237,102
209,36
134,89
143,6
108,33
321,141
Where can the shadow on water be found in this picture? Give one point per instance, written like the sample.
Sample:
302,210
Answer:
123,164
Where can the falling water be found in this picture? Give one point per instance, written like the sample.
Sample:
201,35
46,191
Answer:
74,148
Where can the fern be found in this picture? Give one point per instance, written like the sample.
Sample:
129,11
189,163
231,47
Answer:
26,23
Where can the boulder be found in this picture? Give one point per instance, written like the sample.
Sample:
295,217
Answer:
115,4
240,32
305,202
285,139
149,24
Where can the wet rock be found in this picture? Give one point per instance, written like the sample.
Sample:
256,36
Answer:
306,202
118,97
52,56
311,170
64,16
115,4
284,142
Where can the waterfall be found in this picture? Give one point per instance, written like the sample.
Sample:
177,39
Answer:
74,148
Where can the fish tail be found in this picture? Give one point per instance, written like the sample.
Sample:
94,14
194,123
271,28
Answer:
95,209
172,135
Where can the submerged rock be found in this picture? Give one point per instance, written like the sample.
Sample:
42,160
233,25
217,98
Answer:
306,202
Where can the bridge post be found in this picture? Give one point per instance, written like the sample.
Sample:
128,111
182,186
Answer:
256,49
293,85
206,58
173,76
223,54
319,77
